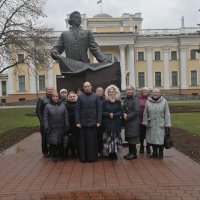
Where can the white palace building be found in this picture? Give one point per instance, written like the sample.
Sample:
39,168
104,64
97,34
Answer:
163,58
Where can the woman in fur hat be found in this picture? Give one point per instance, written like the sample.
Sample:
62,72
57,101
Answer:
112,112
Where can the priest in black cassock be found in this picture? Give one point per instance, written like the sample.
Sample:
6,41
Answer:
88,117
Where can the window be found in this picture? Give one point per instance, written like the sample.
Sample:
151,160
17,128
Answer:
173,55
193,77
3,100
20,57
193,54
42,82
141,79
174,78
21,80
3,84
158,79
41,57
109,56
22,99
157,55
140,56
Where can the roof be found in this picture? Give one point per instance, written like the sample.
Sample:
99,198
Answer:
102,15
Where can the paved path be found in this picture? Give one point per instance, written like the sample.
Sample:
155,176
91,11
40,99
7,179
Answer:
26,175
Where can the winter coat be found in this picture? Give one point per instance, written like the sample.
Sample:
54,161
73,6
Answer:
88,111
131,107
112,124
142,100
56,122
71,113
41,103
156,117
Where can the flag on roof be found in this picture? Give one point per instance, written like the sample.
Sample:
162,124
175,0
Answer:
99,1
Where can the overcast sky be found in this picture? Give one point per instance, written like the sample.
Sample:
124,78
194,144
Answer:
155,13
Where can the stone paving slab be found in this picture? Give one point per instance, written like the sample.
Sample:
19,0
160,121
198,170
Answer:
26,175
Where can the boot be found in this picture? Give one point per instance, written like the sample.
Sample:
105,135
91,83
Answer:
155,152
55,153
160,156
73,154
141,149
60,153
133,151
129,153
113,156
148,148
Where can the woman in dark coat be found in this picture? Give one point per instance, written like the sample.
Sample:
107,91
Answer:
63,95
100,93
74,130
131,109
142,99
112,112
55,124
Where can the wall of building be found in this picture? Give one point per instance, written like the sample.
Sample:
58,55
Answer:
117,36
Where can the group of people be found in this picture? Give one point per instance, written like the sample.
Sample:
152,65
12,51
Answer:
92,123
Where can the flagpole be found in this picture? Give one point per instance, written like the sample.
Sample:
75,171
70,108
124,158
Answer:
101,5
100,2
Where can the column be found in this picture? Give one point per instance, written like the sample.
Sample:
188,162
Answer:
0,88
10,81
183,80
149,67
50,80
166,67
123,67
32,73
131,65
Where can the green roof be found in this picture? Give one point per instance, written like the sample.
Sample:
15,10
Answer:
103,15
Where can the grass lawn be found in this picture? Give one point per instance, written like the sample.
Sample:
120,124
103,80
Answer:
187,121
16,117
185,104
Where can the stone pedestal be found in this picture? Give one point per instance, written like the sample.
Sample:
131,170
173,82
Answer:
100,78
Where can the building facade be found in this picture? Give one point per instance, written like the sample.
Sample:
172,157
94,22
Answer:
163,58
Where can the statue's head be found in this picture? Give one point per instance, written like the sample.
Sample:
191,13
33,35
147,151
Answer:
75,18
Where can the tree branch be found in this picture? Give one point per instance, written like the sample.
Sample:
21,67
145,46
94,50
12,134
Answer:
11,16
15,64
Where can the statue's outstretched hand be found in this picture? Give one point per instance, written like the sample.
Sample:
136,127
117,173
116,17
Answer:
55,55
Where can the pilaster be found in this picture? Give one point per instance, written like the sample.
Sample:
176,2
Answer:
131,65
32,74
0,88
183,80
149,51
10,81
166,67
123,68
50,80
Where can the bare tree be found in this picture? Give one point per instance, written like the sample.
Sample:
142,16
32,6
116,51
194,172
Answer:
21,31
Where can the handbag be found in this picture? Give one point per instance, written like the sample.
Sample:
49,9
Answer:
66,141
168,143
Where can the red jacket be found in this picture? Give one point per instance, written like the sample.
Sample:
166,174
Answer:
142,100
